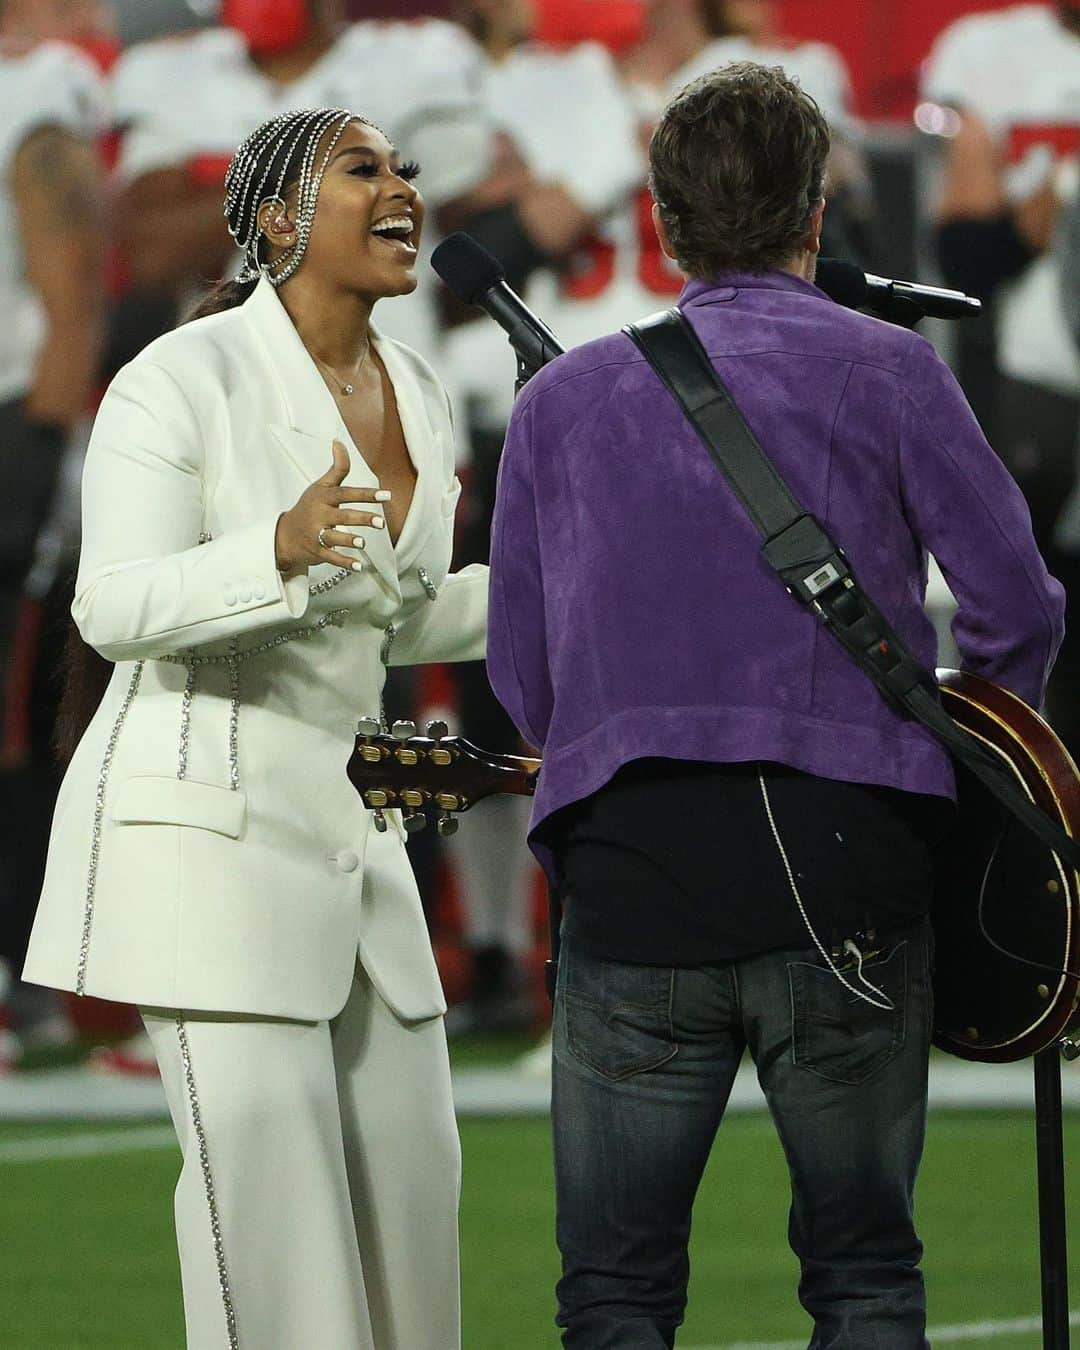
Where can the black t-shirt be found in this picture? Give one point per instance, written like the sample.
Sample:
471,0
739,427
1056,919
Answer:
675,863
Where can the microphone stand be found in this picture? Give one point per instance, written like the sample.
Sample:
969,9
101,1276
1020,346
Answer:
1050,1161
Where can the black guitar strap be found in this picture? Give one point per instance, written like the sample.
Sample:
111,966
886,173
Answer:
814,568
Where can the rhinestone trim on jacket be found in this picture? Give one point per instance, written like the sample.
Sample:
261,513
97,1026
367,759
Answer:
99,816
335,617
321,587
389,634
185,723
430,589
234,715
208,1182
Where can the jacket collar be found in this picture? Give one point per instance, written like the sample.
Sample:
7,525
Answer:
710,290
312,422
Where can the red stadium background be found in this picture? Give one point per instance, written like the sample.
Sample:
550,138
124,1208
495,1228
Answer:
882,42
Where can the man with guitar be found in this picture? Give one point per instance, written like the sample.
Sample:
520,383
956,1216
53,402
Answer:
741,828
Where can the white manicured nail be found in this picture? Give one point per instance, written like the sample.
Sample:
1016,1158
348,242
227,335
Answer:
358,539
383,495
378,523
358,567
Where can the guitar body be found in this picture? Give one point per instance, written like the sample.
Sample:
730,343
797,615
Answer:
990,1006
1006,914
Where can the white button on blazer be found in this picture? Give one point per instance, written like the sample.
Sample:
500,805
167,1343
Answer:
188,860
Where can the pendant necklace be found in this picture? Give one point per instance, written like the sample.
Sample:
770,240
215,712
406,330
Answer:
349,388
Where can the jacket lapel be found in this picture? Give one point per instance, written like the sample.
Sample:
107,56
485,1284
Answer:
424,444
311,421
307,406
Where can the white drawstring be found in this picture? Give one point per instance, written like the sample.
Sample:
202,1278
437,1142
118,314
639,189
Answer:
849,945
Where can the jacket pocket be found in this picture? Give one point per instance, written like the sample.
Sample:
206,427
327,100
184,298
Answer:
840,1036
152,800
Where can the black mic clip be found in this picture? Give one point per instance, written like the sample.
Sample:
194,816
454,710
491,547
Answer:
898,309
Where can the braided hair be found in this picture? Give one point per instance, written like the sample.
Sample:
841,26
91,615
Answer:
279,156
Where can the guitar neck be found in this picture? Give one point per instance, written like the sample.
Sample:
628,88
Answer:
436,771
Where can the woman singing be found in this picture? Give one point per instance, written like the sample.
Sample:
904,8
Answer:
268,506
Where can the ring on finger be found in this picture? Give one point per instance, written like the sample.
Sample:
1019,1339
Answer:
322,536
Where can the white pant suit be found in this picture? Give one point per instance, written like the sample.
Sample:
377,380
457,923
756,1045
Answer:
211,862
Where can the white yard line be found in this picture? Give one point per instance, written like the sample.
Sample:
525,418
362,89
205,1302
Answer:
81,1094
967,1331
87,1145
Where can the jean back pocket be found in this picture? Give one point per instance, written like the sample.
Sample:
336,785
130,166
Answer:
618,1016
838,1035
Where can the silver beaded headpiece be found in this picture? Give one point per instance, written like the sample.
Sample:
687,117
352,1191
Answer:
256,175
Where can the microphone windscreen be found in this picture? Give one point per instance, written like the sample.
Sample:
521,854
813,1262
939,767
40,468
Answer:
842,281
466,267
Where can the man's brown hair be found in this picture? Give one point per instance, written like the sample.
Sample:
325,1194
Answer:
737,163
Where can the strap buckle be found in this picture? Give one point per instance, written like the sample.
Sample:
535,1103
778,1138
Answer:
808,562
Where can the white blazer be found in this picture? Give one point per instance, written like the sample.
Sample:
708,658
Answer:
207,850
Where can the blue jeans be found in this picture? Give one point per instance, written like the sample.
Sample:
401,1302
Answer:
644,1061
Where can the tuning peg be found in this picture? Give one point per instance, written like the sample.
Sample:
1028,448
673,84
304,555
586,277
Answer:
368,726
447,825
437,730
375,797
403,730
380,821
414,821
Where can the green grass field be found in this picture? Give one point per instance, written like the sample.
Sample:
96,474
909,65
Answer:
88,1257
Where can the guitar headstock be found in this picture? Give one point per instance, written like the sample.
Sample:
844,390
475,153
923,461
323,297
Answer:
436,772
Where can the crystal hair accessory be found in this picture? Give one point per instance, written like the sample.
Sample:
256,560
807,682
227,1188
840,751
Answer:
257,175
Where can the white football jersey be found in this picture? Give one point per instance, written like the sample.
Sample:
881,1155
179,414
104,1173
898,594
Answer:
573,121
1018,70
621,273
817,67
52,85
593,137
199,94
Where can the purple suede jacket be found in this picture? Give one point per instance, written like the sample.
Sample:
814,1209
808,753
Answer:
631,612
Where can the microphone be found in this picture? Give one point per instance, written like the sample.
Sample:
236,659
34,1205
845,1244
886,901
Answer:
848,285
476,277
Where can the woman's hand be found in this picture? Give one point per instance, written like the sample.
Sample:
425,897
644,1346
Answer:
297,544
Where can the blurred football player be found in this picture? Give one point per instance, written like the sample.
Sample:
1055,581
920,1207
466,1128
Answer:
1010,81
51,298
186,102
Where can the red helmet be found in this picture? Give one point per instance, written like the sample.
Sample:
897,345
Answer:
618,24
268,26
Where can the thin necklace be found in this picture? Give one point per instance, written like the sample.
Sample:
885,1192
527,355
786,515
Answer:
349,388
